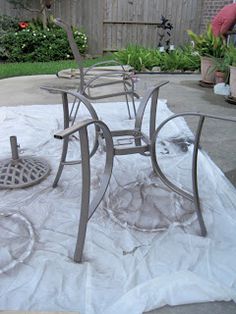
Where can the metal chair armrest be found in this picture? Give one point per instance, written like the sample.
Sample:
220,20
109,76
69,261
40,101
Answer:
74,128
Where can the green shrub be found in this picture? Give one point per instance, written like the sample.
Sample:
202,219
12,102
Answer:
191,59
35,44
180,59
138,57
141,58
8,24
206,44
230,56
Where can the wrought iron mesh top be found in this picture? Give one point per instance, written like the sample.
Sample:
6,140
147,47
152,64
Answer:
23,172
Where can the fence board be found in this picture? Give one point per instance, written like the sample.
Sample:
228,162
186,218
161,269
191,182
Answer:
93,14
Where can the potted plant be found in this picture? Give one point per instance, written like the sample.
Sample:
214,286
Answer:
231,59
220,68
208,47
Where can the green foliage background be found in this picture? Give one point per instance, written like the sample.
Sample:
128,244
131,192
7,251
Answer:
35,44
142,59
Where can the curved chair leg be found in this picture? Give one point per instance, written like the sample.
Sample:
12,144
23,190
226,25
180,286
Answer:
195,178
132,99
62,161
72,109
66,117
127,99
76,112
195,197
127,104
87,209
66,114
133,104
84,209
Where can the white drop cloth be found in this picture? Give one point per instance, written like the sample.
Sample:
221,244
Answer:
125,270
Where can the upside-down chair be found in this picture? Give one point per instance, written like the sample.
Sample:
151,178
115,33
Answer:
144,144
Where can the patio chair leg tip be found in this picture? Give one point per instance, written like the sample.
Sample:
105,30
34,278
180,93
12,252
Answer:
78,260
203,232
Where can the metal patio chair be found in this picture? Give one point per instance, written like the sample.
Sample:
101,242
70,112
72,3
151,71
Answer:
141,143
97,76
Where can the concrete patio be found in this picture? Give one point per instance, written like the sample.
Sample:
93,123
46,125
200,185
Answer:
183,93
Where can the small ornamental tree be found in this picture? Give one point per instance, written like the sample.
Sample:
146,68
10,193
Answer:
165,34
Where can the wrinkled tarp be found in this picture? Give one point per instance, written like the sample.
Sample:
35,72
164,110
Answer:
130,265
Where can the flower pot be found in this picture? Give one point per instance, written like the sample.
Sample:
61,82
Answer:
219,77
232,81
208,76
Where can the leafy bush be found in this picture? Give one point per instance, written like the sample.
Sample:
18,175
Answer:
142,58
35,44
138,57
207,44
230,56
8,24
181,59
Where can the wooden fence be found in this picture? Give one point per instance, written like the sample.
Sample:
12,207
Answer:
113,24
137,21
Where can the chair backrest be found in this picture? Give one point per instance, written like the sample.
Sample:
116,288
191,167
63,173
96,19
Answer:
74,48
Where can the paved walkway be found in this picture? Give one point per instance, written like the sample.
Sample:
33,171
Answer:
183,94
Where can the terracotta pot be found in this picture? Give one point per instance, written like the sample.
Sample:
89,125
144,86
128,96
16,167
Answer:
232,81
208,76
219,77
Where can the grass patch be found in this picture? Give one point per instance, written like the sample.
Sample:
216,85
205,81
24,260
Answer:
36,68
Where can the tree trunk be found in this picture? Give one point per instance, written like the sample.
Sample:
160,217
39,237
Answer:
44,15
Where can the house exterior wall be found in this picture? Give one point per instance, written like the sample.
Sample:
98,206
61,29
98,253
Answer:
210,9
